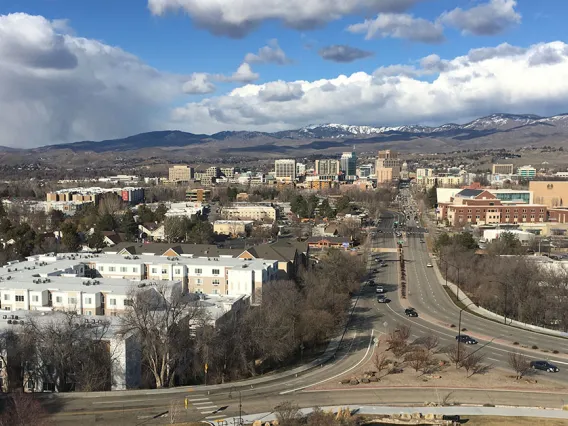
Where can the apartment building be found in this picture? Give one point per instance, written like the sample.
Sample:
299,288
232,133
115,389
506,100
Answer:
424,172
480,207
256,212
285,170
131,195
328,169
228,172
442,180
502,169
232,227
181,174
184,209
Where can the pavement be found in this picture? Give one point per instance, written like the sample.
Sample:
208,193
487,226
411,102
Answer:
378,410
370,319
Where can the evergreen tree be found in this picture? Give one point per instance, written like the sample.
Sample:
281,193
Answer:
96,240
128,225
70,237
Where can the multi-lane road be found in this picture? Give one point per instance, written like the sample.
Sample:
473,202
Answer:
370,319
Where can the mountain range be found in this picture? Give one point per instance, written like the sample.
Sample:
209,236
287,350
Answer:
495,131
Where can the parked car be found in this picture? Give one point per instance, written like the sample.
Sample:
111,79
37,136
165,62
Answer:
381,298
380,289
464,338
429,265
422,241
410,312
544,366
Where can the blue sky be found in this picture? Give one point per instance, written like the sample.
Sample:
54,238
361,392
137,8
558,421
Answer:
195,51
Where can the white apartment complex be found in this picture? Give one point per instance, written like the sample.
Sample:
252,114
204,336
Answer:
102,284
257,212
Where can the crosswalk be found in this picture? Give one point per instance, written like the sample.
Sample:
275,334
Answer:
204,405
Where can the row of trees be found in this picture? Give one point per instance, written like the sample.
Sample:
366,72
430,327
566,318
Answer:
515,286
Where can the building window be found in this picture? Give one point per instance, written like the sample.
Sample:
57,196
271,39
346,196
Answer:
35,298
88,300
135,270
216,282
101,268
177,271
123,269
198,270
112,302
215,291
72,300
7,308
59,299
199,281
164,271
154,270
128,302
89,313
19,298
111,269
6,297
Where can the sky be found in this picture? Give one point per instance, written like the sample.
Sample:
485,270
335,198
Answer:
101,69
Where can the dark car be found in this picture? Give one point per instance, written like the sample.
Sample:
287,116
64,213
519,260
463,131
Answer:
544,366
464,338
410,312
383,299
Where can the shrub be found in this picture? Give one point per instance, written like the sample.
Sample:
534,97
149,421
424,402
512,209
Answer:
464,329
534,347
554,351
453,326
515,343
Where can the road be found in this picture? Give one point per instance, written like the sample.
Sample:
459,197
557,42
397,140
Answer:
370,319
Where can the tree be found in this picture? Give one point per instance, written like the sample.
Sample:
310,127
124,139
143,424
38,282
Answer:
23,409
69,353
428,342
465,240
110,204
473,363
56,218
343,204
419,358
380,361
128,225
161,317
175,229
299,206
520,364
96,240
106,222
70,236
24,238
145,215
456,353
326,210
432,196
398,340
160,212
288,414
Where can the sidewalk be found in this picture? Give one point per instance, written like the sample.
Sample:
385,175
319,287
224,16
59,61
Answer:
461,411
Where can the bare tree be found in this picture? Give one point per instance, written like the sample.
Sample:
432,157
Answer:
22,410
110,204
429,342
66,351
520,364
288,414
418,359
380,361
456,353
398,340
473,364
161,317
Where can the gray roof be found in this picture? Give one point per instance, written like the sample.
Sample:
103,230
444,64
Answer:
209,250
469,193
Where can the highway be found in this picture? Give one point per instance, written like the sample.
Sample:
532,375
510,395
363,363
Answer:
369,319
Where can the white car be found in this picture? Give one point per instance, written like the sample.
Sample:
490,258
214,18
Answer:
429,265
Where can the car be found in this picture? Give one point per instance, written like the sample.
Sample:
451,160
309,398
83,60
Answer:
380,289
544,366
429,265
422,241
410,312
371,282
384,265
375,271
381,298
464,338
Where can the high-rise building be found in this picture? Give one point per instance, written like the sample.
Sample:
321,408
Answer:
366,170
387,160
285,170
180,174
348,164
526,172
300,169
327,169
502,169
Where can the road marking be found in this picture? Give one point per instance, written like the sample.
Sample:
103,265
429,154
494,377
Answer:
209,407
215,416
202,403
198,399
340,374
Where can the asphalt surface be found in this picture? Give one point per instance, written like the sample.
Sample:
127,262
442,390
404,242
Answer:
369,320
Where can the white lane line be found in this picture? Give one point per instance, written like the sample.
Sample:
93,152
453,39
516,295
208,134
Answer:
339,374
202,403
122,402
215,416
198,399
209,407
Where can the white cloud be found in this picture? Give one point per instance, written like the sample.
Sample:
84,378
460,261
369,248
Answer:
198,83
271,53
237,18
280,91
55,87
489,18
501,51
461,88
243,74
399,25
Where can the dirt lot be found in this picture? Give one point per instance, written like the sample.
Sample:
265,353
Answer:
446,375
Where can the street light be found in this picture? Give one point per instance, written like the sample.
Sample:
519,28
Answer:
506,292
458,269
460,327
